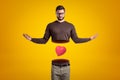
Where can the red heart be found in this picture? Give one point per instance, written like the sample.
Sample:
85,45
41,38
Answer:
60,50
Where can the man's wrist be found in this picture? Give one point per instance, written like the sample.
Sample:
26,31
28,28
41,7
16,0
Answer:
90,38
30,39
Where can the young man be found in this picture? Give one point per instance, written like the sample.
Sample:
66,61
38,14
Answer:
60,31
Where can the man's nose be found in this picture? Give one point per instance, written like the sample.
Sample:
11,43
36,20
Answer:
60,15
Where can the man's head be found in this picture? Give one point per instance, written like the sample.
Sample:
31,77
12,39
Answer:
60,12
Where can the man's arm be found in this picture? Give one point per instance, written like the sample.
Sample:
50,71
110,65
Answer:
39,40
80,40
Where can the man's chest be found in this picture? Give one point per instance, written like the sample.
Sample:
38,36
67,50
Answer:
60,29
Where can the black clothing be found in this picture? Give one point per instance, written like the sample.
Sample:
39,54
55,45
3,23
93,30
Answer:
60,32
60,62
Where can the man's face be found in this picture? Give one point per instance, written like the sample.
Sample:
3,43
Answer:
60,14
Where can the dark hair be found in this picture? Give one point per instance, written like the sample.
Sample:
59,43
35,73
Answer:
60,7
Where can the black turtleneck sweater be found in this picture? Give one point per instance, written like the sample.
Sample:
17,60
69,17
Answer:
60,33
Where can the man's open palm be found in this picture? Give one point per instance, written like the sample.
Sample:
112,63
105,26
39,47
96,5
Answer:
27,36
94,36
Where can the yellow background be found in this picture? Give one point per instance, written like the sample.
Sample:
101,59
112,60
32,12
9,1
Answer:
21,59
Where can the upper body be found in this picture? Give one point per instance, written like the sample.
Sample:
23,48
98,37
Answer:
60,33
59,30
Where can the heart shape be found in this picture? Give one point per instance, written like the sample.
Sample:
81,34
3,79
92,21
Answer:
60,50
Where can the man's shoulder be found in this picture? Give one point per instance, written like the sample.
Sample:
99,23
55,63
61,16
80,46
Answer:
69,23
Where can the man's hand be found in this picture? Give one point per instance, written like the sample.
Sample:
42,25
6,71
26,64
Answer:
27,37
94,36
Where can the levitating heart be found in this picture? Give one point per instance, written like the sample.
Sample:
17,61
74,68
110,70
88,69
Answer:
60,50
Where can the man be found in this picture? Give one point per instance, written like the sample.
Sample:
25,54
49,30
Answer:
60,31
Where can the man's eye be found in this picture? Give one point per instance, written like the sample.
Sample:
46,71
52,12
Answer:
60,13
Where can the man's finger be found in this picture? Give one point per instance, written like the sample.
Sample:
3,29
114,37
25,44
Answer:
24,35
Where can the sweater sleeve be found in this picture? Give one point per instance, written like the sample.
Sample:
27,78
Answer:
45,37
76,39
